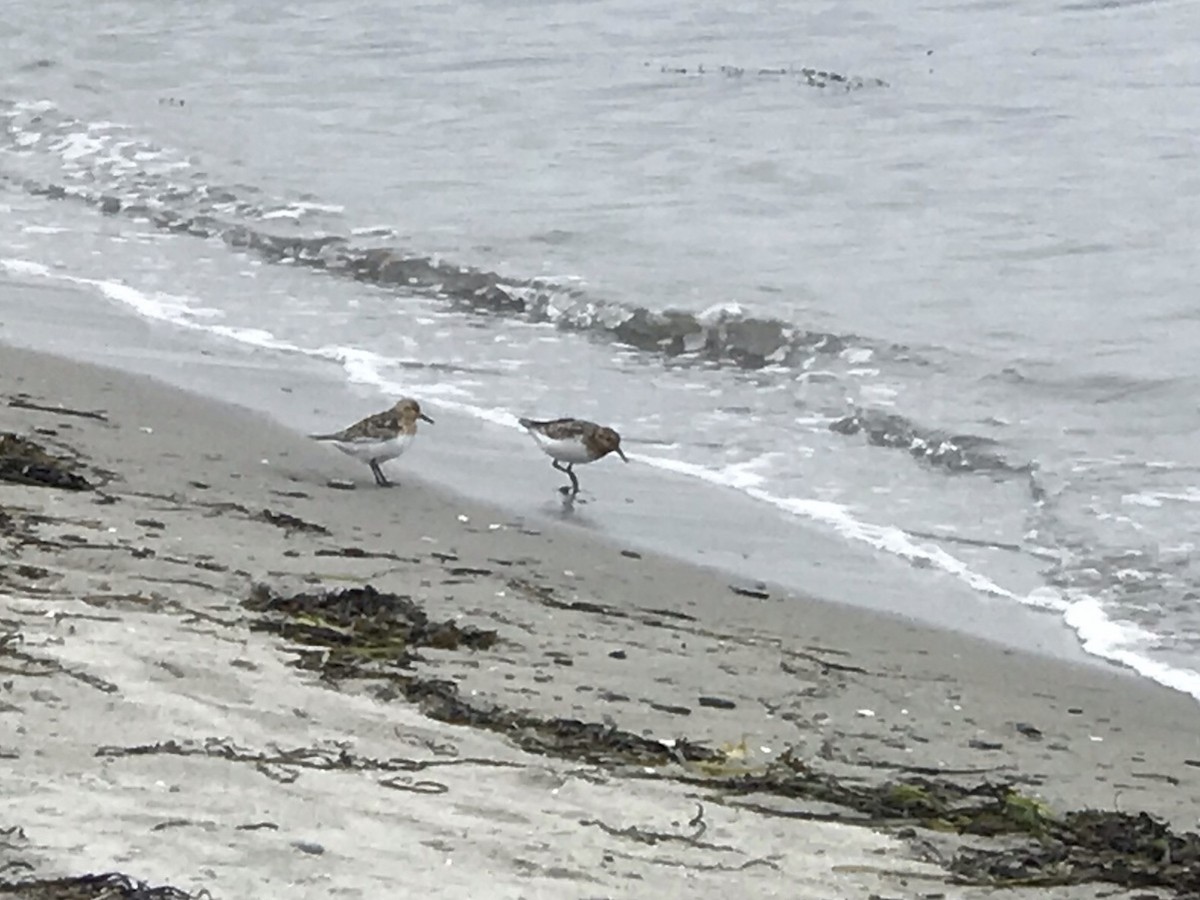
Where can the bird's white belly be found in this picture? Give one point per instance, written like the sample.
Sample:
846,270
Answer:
571,451
380,451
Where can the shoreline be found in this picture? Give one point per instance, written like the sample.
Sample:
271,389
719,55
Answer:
647,507
131,602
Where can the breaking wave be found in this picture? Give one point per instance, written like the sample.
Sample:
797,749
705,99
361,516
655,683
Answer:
103,165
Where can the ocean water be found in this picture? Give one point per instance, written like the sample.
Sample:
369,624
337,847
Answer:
921,276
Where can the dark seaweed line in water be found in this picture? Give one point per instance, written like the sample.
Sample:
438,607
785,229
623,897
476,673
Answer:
952,452
807,75
726,338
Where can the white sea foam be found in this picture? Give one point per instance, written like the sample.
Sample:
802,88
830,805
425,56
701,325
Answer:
361,366
298,210
160,306
373,231
878,394
719,311
25,267
256,336
1119,642
1156,498
1099,635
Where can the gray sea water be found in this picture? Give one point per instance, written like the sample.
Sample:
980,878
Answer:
921,276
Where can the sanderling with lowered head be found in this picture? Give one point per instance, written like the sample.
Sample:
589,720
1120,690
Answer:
379,437
573,441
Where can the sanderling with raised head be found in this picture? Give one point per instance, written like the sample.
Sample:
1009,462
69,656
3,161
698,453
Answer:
379,437
573,441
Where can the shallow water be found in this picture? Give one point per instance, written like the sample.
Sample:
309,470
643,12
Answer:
978,271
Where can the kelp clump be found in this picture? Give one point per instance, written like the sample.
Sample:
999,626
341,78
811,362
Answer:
985,809
23,461
360,626
1041,849
107,886
1132,850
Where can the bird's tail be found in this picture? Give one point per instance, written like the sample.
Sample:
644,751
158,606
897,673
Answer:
526,423
324,437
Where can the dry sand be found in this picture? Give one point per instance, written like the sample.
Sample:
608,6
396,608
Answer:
128,603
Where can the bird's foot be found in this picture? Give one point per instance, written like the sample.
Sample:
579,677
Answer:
569,496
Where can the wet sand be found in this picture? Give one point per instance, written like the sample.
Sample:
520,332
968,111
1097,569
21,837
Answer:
255,776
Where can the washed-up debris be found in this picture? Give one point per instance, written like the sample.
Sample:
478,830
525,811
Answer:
363,624
360,553
289,523
1030,731
977,744
108,886
23,461
468,570
1093,845
272,762
22,401
1041,847
16,661
755,593
367,634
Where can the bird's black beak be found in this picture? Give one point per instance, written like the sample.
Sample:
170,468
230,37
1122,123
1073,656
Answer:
426,418
621,453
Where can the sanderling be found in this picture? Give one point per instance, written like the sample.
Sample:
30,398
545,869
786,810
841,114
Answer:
380,437
573,441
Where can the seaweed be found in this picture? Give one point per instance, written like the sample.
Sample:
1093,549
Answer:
368,634
362,633
106,886
23,461
359,625
986,809
15,661
290,523
22,401
285,765
1128,849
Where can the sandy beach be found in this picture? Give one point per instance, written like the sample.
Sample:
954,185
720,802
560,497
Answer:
186,698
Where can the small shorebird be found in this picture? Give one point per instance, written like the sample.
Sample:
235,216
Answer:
379,437
573,441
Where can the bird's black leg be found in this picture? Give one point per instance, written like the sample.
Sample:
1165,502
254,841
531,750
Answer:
570,473
380,478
